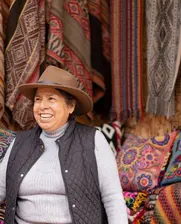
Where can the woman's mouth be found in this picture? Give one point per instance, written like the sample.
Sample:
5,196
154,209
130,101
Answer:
45,117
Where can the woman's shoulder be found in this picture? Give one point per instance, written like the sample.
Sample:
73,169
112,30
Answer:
28,132
85,127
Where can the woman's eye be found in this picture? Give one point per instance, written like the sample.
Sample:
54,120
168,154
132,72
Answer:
51,98
37,99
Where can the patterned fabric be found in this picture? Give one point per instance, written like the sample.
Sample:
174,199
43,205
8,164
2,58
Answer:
69,39
163,27
5,116
168,206
113,133
140,166
131,140
134,200
24,53
1,62
138,218
144,213
6,120
99,13
173,172
2,212
126,38
6,137
150,205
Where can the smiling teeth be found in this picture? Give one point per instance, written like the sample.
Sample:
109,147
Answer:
45,116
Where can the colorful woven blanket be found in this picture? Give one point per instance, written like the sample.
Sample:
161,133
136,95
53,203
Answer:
24,53
1,62
168,206
127,53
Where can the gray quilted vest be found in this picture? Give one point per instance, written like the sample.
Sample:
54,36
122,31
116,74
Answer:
79,171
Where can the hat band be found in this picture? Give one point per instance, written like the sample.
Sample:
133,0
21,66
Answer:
55,83
48,83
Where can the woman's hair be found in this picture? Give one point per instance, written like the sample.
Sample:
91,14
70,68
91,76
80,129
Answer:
69,99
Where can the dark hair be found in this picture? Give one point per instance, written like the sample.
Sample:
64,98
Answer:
69,99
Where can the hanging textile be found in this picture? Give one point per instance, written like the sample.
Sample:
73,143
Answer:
1,63
5,115
163,31
99,13
24,53
126,39
69,39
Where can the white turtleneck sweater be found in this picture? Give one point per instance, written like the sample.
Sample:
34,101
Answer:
42,197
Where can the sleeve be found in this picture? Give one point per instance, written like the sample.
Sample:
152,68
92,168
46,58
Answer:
109,182
3,168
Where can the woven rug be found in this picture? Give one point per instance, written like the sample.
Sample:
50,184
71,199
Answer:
126,42
163,31
68,44
168,206
1,63
24,53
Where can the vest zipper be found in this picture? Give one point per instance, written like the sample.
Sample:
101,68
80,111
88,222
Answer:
66,189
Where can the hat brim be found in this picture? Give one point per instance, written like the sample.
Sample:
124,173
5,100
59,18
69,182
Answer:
84,101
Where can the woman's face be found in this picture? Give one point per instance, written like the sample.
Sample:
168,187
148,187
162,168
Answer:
50,109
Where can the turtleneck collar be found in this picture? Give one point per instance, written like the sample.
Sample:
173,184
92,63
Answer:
57,133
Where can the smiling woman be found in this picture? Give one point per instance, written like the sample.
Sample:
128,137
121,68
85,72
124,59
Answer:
52,108
54,173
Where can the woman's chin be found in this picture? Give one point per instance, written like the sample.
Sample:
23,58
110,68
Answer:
45,126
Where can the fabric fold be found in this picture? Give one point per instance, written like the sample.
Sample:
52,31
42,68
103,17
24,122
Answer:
99,15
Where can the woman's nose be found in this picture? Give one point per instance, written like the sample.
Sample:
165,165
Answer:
44,104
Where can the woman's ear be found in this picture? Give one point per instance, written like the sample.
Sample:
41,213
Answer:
72,106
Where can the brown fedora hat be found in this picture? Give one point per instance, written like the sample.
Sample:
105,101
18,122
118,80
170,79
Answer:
59,79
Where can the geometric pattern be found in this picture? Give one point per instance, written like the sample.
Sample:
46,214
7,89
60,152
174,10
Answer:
163,30
76,67
25,49
113,133
72,54
78,10
61,55
168,206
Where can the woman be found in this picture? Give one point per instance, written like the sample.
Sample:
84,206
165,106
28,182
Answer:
60,171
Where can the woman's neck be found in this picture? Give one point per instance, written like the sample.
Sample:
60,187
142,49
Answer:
56,133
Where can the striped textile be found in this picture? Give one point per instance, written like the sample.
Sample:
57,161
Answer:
2,212
168,206
126,34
